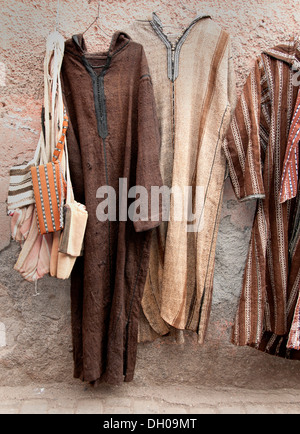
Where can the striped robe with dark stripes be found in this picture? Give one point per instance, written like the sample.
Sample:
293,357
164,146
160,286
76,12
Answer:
255,148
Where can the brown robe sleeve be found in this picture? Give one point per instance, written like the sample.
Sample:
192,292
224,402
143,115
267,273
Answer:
242,145
147,170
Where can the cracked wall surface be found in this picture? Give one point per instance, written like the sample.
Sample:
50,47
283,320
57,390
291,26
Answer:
37,328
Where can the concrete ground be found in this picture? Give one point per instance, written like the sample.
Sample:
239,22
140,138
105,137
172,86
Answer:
79,398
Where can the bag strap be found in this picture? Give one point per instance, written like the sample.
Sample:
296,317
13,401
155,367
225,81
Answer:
53,101
40,149
70,193
58,151
39,155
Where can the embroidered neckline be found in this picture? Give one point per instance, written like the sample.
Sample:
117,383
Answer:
175,48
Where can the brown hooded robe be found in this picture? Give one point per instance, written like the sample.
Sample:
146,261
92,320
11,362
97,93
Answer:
113,133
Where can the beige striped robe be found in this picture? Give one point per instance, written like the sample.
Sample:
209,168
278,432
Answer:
194,87
255,148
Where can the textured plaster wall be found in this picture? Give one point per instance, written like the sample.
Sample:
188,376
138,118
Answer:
35,341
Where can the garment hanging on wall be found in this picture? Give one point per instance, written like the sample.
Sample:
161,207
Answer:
289,190
194,87
34,260
256,148
113,133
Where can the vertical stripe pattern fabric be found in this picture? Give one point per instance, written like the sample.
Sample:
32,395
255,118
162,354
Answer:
194,86
49,189
289,183
262,159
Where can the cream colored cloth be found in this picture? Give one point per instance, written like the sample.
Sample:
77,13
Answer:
178,291
72,237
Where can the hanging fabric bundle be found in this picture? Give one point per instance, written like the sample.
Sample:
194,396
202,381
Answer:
35,257
21,222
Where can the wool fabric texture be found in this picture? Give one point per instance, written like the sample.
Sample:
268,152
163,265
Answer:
194,88
113,133
256,147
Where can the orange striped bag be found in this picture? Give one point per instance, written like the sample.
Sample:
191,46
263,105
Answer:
49,187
